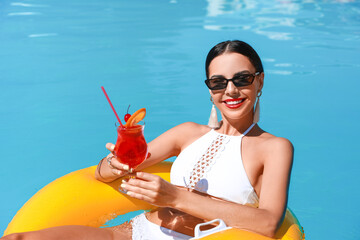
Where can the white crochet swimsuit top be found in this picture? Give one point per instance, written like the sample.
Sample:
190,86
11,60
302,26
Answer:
213,165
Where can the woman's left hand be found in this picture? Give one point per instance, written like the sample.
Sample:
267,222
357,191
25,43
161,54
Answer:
151,188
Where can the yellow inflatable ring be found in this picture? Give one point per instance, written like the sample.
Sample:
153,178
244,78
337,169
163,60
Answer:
79,199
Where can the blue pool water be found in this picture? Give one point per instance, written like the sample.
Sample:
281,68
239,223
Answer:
55,55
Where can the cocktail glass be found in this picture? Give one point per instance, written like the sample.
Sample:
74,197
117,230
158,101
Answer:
131,147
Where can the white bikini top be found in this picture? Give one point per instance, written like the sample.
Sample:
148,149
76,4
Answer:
213,165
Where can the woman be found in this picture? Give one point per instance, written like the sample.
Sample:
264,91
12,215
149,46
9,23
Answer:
236,172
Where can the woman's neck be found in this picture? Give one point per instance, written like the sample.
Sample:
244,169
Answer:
235,127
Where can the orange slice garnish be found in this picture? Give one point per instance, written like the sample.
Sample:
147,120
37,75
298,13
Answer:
136,117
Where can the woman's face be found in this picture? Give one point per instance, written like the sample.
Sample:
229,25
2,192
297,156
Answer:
234,102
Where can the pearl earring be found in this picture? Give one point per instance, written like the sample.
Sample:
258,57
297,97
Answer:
213,120
257,109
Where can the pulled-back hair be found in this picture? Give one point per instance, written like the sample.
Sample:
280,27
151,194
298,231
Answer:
234,46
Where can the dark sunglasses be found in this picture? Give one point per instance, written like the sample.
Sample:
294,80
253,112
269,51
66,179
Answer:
240,80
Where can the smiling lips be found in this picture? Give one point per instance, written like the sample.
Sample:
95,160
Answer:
234,103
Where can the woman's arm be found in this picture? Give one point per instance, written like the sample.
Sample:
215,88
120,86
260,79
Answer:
264,220
272,201
70,232
167,145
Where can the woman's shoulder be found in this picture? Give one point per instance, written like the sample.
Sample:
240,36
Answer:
275,147
192,129
268,140
272,140
188,132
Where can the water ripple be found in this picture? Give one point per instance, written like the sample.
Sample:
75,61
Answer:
21,4
23,13
280,72
275,35
35,35
282,20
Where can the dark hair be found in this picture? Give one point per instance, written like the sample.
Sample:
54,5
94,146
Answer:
234,46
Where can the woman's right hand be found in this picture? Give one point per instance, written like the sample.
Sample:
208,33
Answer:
117,168
110,168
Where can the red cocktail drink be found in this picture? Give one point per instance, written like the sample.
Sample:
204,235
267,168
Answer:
131,147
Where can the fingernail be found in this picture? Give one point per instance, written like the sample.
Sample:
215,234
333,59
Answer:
122,185
118,172
129,193
131,170
112,147
126,167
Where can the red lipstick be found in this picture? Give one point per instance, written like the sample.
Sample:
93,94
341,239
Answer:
234,103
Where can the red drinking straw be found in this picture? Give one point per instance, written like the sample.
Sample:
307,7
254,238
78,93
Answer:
111,106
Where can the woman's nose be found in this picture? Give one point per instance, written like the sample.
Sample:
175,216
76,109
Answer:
231,89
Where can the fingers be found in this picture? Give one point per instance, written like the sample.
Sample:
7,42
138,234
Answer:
147,176
140,196
139,183
117,168
152,182
110,147
139,189
115,164
150,188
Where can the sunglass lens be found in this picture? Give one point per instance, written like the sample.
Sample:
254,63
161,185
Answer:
243,80
216,84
